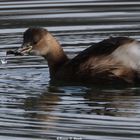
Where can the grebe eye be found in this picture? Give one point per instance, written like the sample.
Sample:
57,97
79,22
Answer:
34,42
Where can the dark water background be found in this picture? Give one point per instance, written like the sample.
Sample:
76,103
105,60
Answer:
31,108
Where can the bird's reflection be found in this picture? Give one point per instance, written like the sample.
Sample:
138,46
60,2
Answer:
40,107
97,101
112,102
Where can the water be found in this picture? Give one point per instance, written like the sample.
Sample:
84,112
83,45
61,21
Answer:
33,109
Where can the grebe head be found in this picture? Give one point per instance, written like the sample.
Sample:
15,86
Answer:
35,41
38,41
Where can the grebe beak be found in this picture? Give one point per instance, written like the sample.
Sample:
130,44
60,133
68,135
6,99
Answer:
25,49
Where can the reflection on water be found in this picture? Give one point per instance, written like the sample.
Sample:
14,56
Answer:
31,107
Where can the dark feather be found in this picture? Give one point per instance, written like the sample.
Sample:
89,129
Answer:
104,48
96,64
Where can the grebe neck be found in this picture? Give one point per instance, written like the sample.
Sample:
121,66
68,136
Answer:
56,57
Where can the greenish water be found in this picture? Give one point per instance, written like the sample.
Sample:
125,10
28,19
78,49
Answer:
30,107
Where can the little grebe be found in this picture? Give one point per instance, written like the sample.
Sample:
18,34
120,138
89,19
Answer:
112,60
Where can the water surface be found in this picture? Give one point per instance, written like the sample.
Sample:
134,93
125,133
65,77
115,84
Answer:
30,107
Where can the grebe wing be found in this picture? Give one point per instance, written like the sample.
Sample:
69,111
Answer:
97,61
102,48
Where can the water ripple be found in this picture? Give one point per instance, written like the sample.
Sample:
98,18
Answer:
31,108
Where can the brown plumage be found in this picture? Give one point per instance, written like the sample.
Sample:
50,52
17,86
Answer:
113,60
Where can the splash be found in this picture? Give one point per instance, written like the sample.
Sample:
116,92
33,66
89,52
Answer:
3,58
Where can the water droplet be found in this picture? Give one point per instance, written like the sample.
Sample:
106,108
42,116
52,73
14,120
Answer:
3,61
3,58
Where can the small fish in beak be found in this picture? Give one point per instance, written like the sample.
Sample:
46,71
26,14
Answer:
13,52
